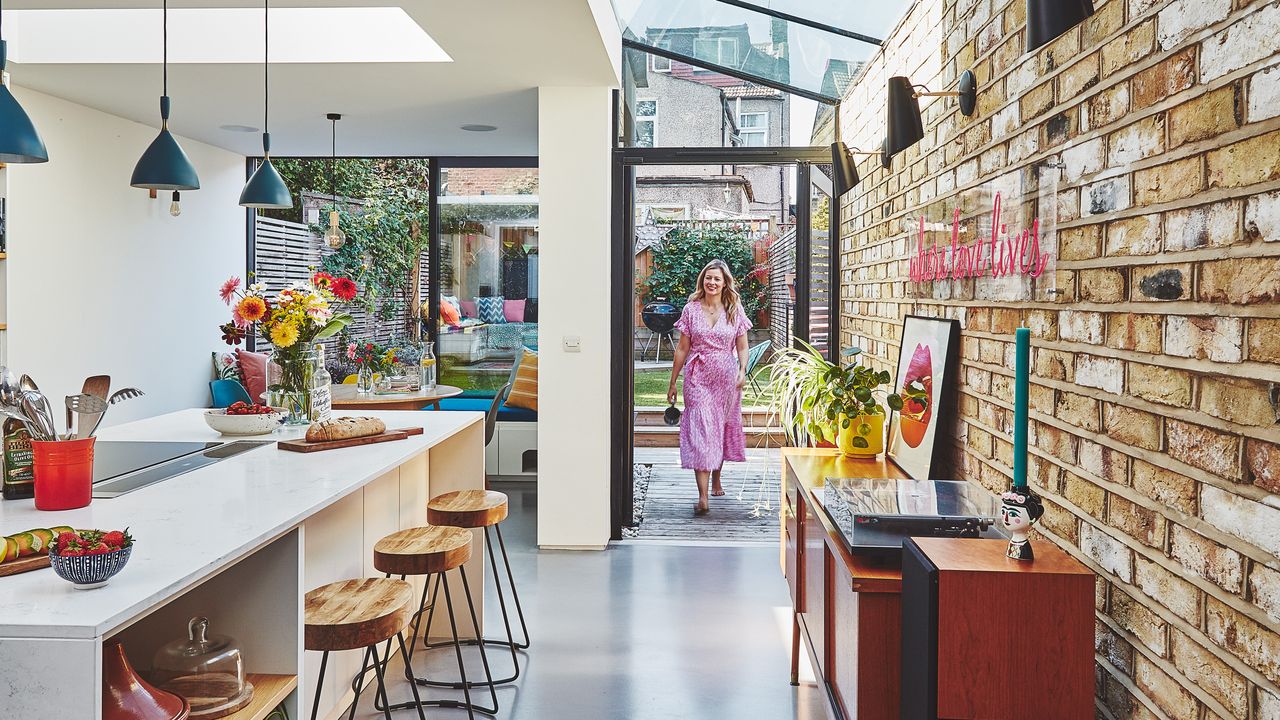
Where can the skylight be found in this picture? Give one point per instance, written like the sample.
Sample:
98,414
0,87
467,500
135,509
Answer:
219,35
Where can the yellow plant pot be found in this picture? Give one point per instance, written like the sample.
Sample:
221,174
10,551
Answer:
867,428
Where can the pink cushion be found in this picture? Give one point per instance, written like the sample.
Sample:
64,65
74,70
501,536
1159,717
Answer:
253,367
513,310
469,308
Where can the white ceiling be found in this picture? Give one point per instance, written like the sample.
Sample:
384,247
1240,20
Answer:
502,51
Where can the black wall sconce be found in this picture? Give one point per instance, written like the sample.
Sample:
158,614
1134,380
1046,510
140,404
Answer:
843,167
905,126
1048,19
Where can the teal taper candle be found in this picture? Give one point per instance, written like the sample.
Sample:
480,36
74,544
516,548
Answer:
1021,370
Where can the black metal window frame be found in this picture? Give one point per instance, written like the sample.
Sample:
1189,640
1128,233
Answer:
435,163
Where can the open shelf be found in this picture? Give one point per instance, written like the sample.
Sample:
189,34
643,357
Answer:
268,692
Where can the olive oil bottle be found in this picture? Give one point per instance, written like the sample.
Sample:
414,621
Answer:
19,475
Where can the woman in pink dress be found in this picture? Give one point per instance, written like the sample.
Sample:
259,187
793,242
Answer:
713,354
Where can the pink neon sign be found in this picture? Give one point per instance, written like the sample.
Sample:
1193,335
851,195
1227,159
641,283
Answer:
1002,254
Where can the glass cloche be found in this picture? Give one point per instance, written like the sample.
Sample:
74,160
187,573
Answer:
206,669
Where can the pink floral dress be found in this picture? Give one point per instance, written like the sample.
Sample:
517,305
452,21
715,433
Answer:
711,424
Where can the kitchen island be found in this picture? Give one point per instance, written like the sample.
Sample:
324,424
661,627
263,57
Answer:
239,542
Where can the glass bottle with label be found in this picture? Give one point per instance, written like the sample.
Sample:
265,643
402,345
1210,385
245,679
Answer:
427,367
321,389
19,477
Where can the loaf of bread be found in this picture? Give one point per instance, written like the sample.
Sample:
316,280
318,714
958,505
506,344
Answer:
345,428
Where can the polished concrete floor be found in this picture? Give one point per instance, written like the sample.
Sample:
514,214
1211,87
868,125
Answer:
641,631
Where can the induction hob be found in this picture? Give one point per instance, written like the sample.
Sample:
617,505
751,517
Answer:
122,467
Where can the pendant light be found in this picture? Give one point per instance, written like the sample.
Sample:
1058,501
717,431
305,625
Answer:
19,141
266,189
334,237
164,166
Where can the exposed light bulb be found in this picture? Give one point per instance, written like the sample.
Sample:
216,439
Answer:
334,237
174,208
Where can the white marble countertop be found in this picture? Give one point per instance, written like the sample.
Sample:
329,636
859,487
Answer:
189,527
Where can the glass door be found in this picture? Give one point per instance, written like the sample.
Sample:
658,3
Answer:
768,214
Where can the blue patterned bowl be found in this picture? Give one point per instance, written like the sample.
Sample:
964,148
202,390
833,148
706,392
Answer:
86,572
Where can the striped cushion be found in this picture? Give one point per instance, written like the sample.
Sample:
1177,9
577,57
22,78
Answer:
524,391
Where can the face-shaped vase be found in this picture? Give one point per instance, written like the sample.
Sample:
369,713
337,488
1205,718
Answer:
1018,512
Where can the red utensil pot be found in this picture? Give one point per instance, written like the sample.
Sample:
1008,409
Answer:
63,473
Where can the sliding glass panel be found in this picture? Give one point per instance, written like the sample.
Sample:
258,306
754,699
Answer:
754,44
820,277
488,274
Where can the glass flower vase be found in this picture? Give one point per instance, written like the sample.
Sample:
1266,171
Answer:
290,374
364,380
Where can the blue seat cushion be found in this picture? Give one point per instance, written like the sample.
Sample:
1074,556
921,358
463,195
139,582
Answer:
481,404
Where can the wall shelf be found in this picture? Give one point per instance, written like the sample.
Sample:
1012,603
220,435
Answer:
268,692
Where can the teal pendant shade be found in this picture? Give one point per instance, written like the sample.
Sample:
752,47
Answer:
266,189
19,141
164,166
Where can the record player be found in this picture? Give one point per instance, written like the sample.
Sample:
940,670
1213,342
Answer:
877,514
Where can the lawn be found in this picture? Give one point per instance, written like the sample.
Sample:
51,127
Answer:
650,385
651,388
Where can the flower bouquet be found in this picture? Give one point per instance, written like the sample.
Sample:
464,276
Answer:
292,322
371,359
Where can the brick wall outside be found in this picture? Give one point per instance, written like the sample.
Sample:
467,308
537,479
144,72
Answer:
492,181
1154,438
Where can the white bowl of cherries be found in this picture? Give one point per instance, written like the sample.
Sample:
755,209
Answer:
243,418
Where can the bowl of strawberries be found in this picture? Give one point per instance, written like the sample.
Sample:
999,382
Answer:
89,558
242,418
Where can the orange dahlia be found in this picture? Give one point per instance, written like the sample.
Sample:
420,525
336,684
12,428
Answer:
251,309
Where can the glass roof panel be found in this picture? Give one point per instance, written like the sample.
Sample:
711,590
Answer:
730,36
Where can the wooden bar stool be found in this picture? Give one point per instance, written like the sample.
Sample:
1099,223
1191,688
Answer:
483,509
354,614
435,550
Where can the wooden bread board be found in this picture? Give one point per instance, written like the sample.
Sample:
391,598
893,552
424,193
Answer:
21,565
304,446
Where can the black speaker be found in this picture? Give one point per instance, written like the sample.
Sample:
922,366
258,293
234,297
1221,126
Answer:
919,635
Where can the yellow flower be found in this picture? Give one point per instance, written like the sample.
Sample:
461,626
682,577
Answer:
284,335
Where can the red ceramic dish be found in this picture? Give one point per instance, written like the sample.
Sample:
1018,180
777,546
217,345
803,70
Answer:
126,696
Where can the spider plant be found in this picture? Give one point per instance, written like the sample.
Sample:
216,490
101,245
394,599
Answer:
815,398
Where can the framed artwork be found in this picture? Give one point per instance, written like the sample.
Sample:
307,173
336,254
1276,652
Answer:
928,363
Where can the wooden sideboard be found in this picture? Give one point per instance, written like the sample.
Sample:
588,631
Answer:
984,609
849,609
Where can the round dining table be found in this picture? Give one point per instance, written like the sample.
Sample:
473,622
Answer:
345,397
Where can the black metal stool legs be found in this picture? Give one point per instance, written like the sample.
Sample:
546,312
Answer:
315,705
502,604
464,685
511,582
379,664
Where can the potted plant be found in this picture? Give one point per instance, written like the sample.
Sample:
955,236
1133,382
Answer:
824,401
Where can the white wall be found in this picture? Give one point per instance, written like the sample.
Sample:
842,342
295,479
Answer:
101,279
573,388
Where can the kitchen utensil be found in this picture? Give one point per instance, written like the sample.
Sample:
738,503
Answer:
118,396
83,405
99,385
33,406
9,389
303,446
204,668
126,696
124,394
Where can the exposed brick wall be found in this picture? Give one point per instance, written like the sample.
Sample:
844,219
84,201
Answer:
1154,439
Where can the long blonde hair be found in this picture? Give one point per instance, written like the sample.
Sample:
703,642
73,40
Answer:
728,296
